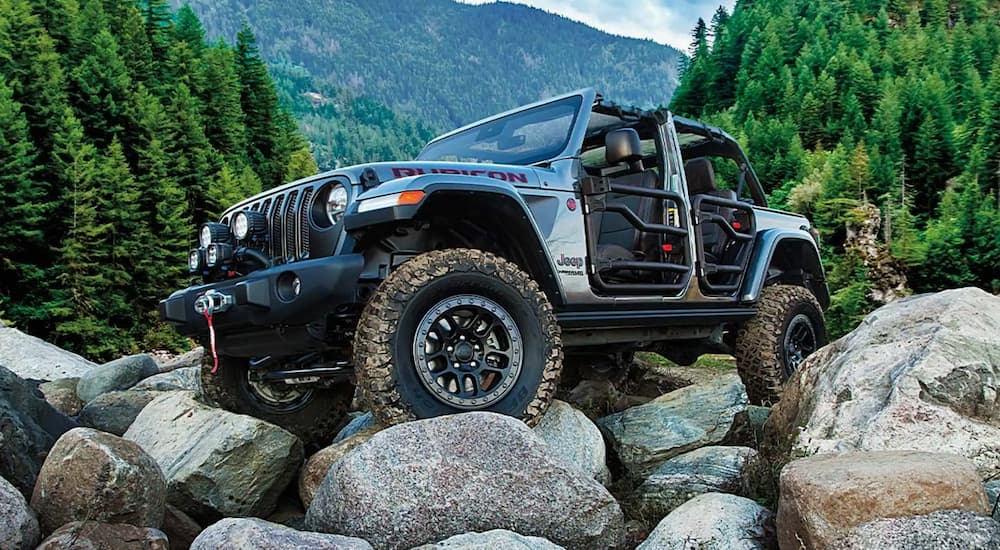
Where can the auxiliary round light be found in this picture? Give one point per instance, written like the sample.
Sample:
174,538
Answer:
249,223
213,233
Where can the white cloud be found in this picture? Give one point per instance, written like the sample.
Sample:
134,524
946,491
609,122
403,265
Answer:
664,21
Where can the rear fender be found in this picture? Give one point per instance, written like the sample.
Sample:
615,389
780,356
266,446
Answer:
789,256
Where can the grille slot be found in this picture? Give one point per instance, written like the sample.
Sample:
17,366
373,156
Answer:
304,223
276,239
289,225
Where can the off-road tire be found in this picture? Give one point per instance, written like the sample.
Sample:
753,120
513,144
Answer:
385,367
758,350
315,422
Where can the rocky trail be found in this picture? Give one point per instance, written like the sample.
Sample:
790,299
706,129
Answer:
886,438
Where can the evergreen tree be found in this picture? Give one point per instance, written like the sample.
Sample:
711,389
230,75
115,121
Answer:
260,107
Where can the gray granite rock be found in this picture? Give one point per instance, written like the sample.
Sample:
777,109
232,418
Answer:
182,379
992,492
946,530
314,470
61,394
714,521
93,535
180,528
33,358
216,463
191,358
706,470
95,476
28,428
424,481
912,367
18,525
264,535
358,424
114,412
575,439
675,423
119,374
497,539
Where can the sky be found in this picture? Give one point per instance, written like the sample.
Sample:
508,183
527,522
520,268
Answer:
664,21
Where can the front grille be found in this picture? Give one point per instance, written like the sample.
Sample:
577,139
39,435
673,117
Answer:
288,225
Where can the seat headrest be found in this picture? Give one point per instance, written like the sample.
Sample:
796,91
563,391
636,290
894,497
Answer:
700,176
622,145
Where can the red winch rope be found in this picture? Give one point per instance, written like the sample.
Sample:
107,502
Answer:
211,339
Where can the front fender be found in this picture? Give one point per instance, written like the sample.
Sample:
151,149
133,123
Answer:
512,217
797,249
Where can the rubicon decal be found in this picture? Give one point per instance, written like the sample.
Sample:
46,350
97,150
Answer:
512,177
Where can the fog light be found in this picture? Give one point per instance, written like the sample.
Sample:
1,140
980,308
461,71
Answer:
195,259
289,287
217,254
249,224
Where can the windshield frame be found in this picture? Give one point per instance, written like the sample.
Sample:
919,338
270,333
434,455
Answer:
575,135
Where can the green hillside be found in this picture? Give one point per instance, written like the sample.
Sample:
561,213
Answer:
120,129
851,104
444,62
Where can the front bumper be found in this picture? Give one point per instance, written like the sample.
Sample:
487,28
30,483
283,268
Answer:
326,283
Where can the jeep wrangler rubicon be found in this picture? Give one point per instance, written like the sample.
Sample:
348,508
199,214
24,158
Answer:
459,280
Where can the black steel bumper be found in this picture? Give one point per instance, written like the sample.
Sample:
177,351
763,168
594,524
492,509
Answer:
326,283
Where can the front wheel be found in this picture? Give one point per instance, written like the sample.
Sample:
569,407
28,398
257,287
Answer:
788,327
457,330
313,414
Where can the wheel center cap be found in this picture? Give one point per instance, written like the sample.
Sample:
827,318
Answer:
464,351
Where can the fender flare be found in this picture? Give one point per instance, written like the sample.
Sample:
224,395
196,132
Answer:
767,244
438,186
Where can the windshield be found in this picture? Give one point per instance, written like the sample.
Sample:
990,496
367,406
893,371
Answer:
521,138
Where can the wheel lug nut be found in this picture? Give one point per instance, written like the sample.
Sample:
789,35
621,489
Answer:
457,365
450,348
473,363
461,337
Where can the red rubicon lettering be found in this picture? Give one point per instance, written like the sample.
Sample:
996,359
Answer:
512,177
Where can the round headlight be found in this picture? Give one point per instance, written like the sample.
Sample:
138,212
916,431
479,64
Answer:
205,236
241,225
336,203
194,260
213,233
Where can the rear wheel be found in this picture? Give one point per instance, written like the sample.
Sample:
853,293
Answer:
788,327
457,330
313,414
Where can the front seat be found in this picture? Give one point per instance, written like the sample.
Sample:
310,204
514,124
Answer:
700,176
618,238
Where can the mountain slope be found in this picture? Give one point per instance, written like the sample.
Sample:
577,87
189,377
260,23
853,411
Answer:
444,62
855,110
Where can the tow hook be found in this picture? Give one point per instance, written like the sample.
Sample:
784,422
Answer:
213,302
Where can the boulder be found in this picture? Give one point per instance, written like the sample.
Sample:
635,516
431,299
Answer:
120,374
180,528
191,358
114,412
910,368
992,492
575,439
360,423
748,427
675,423
183,379
824,496
497,539
595,397
30,357
715,521
28,428
945,530
264,535
61,394
732,470
92,475
216,463
315,469
18,526
92,535
424,481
